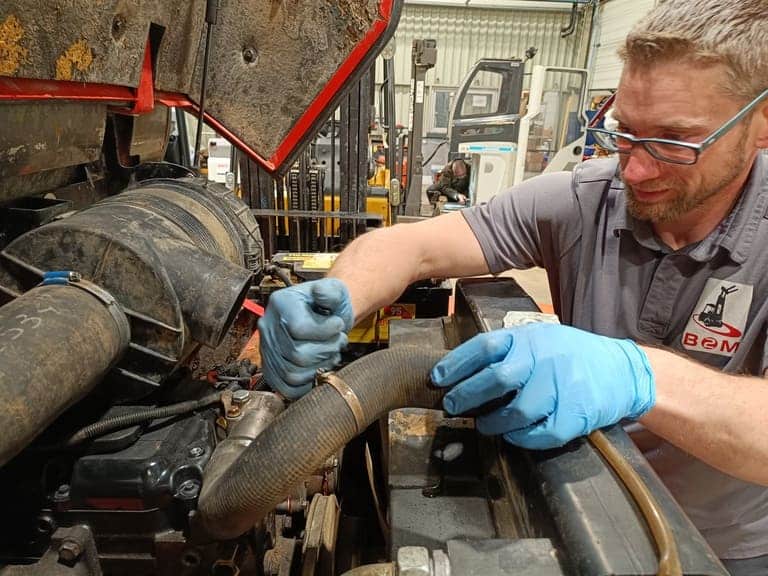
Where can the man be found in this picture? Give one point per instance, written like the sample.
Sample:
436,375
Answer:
658,257
453,183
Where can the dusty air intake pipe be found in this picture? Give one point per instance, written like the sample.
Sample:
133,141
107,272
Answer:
177,255
300,439
56,344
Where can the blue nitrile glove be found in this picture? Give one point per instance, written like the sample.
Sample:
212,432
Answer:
304,329
567,382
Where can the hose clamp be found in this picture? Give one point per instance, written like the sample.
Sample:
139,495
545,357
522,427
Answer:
348,395
74,279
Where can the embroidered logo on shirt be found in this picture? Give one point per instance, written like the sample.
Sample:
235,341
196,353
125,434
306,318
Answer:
719,319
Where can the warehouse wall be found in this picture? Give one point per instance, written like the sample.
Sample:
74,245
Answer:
466,34
616,19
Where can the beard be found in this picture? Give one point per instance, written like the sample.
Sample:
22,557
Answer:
687,199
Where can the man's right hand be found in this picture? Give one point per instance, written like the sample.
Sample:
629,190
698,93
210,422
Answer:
303,330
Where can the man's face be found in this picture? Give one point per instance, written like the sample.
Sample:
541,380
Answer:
679,102
459,169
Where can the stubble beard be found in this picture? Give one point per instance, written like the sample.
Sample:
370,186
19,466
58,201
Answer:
686,200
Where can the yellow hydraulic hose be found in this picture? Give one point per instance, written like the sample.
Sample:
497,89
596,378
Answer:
669,560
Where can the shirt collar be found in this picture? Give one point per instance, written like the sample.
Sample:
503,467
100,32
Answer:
737,232
734,234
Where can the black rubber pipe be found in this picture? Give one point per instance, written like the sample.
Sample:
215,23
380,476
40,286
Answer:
56,344
277,272
300,439
108,425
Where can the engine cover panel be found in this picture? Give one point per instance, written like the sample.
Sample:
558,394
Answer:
277,67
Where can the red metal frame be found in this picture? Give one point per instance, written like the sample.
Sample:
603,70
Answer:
29,89
142,99
334,85
145,93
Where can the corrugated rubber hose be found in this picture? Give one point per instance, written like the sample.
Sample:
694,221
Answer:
301,438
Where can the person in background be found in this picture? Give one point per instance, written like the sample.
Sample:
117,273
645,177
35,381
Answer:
453,183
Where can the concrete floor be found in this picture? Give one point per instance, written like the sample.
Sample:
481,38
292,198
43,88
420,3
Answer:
534,281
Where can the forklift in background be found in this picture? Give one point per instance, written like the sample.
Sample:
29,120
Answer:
507,133
511,136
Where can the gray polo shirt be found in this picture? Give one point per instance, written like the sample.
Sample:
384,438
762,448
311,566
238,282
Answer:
609,274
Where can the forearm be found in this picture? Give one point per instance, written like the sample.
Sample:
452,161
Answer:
378,266
720,418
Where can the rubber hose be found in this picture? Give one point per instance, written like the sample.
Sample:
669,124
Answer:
669,560
283,275
118,422
301,438
56,344
440,145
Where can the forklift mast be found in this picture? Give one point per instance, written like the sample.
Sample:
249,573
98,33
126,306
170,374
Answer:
423,57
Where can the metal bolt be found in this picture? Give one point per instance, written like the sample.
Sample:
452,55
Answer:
250,55
413,561
45,525
69,552
196,452
241,396
189,490
62,493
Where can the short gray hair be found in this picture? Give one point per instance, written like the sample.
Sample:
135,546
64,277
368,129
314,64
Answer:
729,32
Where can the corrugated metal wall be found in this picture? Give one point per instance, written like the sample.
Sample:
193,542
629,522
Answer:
617,17
466,34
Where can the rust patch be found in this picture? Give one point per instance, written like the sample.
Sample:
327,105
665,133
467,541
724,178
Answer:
238,344
252,350
358,16
12,54
78,57
420,423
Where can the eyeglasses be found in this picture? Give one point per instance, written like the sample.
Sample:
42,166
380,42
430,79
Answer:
672,151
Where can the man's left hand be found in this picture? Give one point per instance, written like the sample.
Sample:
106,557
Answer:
555,382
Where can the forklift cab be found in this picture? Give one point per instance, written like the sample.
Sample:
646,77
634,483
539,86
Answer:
485,122
509,134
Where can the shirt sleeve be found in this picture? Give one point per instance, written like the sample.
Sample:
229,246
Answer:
531,224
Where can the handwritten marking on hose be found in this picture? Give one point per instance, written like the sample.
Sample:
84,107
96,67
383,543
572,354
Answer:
348,395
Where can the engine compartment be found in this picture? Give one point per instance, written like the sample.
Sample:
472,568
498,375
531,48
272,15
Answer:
239,482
